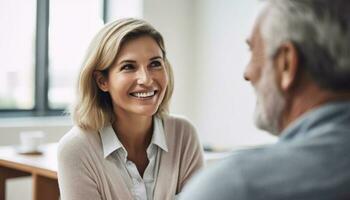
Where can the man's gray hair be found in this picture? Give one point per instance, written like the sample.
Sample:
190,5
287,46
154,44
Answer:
320,30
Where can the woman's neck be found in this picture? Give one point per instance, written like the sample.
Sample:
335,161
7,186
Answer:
133,131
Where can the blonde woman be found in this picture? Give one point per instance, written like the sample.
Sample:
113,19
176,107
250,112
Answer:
124,144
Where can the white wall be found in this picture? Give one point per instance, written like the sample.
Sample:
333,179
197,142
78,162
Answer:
224,101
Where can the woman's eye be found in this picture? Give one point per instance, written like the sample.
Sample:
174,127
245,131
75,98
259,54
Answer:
127,67
156,64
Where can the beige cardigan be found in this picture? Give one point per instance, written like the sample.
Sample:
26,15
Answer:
84,173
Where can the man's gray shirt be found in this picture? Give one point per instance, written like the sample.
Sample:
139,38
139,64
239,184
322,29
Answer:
310,161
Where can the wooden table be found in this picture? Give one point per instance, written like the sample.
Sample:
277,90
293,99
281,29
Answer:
42,168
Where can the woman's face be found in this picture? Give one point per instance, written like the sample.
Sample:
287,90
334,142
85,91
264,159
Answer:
138,79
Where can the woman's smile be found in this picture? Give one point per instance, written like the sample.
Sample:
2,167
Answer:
144,94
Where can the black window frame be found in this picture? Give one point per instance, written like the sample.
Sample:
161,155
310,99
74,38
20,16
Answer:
41,101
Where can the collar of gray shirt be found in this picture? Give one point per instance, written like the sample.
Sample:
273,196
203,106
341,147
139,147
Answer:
111,143
318,118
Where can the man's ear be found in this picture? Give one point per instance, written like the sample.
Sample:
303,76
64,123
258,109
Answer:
287,63
101,80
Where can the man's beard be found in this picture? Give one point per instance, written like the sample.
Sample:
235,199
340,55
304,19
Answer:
270,102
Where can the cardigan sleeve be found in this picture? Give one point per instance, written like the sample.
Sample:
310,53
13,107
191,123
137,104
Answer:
75,177
192,154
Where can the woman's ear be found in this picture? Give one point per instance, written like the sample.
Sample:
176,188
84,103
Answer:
287,65
101,80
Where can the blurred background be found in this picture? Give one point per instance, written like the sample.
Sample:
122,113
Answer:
43,42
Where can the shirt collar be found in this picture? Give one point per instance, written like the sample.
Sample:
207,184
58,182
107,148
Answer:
111,143
158,137
328,113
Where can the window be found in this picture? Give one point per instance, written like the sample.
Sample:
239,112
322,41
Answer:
69,36
41,51
17,39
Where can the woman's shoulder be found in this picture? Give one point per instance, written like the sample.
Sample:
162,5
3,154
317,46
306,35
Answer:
76,142
76,136
178,120
179,125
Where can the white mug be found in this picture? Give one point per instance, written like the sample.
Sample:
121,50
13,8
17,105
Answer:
31,140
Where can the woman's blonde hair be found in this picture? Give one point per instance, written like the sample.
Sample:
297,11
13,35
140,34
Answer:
93,108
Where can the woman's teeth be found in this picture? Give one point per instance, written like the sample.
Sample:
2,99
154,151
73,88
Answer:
143,94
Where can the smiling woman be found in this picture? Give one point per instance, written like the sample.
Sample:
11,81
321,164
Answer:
125,145
138,80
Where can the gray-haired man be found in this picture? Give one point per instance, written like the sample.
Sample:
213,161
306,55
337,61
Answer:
300,70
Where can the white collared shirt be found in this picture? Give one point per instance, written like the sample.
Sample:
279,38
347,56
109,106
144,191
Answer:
141,187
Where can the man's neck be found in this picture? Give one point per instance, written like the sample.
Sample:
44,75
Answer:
308,98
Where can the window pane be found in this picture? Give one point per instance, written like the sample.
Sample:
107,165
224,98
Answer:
72,26
17,53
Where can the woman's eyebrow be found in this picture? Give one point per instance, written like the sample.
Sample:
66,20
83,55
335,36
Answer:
126,61
133,61
156,57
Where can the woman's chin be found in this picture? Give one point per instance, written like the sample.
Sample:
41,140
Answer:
145,110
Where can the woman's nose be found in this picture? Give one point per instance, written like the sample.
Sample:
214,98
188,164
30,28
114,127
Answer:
144,77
